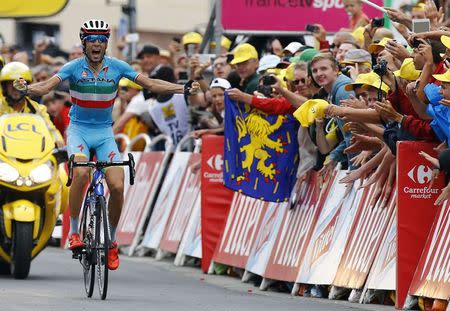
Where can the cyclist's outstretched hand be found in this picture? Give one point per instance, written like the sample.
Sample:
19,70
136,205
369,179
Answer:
20,85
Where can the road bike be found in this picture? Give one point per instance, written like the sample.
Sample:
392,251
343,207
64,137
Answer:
94,225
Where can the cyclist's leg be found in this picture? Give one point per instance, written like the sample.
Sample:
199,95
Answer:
76,145
107,150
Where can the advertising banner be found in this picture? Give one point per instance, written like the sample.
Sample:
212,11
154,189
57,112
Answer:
432,277
330,234
382,275
181,211
139,197
215,197
415,210
243,222
287,15
166,198
259,256
191,244
295,232
364,240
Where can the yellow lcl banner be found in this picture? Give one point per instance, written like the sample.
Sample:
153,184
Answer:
31,8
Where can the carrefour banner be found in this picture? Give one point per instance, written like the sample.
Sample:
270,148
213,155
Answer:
287,15
415,210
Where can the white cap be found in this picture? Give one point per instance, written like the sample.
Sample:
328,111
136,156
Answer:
293,47
268,62
219,82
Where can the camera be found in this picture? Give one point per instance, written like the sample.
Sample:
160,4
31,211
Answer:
311,28
345,71
266,90
416,42
268,80
377,22
380,68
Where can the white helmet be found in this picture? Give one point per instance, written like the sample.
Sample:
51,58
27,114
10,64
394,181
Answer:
94,27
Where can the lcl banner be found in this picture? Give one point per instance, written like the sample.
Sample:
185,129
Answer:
432,277
287,15
215,197
415,210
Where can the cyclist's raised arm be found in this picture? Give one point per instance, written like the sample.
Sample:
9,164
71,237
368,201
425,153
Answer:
159,86
42,88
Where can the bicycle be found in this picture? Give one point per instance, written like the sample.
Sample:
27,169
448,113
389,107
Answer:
94,226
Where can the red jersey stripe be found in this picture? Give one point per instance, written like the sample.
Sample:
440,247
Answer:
92,103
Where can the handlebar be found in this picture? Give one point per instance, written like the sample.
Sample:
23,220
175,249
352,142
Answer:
100,165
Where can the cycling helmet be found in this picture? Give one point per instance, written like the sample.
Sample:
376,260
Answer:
94,27
16,70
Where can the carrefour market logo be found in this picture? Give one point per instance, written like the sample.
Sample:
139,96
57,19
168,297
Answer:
215,162
421,174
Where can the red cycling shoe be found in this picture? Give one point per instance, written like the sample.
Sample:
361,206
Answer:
113,256
75,242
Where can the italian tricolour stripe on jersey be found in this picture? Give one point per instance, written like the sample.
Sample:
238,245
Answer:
93,96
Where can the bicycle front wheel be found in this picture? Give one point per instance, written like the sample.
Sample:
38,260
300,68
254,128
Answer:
103,241
87,260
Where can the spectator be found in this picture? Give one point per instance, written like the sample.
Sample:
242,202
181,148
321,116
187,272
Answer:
149,57
58,110
245,58
356,14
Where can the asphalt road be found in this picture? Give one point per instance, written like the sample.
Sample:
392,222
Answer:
55,283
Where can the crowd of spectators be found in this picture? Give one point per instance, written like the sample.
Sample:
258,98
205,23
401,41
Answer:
368,91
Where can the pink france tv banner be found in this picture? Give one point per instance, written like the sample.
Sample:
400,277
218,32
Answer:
287,15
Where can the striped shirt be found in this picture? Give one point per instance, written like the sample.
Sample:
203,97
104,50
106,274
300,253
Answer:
93,96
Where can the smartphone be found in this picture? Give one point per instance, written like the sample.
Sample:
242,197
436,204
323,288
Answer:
204,58
420,25
311,28
377,22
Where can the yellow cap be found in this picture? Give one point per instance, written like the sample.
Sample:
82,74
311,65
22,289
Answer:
362,78
225,43
407,71
445,41
419,7
124,82
376,84
15,70
445,77
358,34
376,48
289,75
244,52
192,38
310,110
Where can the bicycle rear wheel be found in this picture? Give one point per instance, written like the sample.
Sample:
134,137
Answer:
103,241
86,259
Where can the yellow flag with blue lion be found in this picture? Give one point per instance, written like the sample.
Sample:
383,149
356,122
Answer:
260,152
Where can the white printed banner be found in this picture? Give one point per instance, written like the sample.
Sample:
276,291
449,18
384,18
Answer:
166,198
191,244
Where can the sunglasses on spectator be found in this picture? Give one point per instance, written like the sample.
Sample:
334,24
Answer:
124,88
93,38
297,82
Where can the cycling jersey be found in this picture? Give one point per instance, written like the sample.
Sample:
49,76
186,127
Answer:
93,96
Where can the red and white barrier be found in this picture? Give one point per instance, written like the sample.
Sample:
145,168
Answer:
166,198
188,192
364,240
191,244
244,221
293,237
432,277
328,240
382,274
260,254
138,199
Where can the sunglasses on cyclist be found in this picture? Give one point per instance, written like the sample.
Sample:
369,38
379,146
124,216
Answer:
93,38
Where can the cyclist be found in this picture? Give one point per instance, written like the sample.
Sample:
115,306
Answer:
15,102
94,79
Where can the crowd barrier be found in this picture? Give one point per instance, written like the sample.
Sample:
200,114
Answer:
331,235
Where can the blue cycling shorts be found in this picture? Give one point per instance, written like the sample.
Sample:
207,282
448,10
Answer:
81,139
